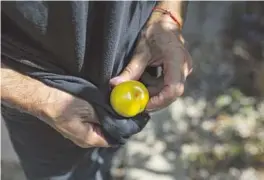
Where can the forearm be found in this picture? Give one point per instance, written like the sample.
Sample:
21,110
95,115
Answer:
22,92
177,8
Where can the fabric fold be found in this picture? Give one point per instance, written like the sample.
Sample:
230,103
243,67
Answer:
116,128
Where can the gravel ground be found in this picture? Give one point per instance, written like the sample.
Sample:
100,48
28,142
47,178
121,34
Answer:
216,130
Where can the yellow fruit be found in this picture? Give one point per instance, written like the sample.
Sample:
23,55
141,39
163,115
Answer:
129,98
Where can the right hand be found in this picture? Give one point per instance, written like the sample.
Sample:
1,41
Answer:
75,119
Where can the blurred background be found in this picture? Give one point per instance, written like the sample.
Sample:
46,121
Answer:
216,130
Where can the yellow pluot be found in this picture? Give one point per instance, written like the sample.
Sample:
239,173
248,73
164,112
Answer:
129,98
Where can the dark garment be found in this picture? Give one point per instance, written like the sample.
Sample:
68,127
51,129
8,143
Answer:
76,47
46,155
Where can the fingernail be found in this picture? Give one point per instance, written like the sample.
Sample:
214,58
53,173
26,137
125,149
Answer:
116,80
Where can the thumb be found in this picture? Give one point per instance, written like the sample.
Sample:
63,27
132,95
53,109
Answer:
136,66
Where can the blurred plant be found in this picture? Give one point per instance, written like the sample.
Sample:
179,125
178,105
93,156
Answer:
231,134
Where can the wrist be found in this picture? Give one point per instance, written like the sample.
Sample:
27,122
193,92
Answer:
22,92
163,27
55,105
168,16
170,11
166,19
40,106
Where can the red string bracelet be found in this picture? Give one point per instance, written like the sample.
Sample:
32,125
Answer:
164,11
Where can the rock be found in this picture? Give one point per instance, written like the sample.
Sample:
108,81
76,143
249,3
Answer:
159,163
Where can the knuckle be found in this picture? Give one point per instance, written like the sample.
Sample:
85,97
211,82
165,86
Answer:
79,143
176,91
89,141
82,145
179,89
86,143
188,60
127,72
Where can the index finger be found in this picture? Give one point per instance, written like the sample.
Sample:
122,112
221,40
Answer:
137,64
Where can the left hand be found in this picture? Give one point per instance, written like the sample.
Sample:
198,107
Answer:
160,44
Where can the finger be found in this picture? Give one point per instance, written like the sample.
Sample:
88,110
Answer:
167,96
150,80
136,66
96,137
83,134
175,73
153,84
188,62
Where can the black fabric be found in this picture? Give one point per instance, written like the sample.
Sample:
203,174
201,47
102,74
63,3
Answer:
77,47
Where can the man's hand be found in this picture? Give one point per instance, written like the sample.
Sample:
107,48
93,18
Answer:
74,118
161,44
